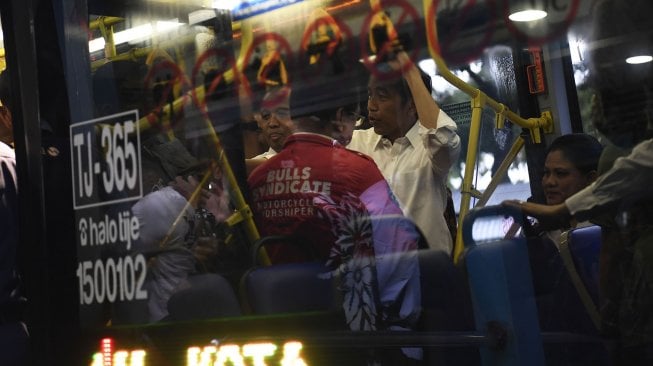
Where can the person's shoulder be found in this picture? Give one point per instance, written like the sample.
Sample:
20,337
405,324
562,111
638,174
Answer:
366,133
264,165
259,170
362,165
359,157
363,140
6,152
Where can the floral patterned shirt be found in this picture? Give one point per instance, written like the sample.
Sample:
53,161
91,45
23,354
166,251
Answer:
338,201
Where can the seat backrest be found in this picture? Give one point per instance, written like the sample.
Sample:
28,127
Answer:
285,288
502,291
439,276
205,296
580,249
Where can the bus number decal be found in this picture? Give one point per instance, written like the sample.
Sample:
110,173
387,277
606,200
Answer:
113,280
105,157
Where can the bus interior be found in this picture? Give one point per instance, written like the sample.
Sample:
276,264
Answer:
111,101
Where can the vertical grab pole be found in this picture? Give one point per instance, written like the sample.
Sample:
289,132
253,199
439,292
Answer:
243,211
107,34
479,100
472,148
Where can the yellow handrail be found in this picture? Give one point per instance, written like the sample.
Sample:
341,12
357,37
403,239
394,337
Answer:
243,213
164,115
501,171
107,21
479,100
133,54
105,24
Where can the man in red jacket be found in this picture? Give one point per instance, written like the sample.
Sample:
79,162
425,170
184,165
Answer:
337,202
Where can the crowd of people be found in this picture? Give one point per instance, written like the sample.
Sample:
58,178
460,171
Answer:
357,179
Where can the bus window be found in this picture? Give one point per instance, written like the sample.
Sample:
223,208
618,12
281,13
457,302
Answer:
250,182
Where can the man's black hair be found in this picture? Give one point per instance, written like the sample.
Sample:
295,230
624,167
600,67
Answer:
401,85
582,150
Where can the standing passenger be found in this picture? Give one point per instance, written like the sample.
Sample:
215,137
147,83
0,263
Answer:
274,121
337,201
414,144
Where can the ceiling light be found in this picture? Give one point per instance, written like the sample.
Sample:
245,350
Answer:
369,59
428,66
642,59
136,34
96,44
527,15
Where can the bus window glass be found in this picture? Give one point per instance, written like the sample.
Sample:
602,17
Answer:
183,94
260,168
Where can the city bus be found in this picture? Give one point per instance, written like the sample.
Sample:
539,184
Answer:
111,101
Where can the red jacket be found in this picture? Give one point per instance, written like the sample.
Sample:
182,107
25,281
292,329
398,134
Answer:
337,203
293,191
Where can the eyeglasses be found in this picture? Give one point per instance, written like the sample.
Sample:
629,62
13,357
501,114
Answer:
281,113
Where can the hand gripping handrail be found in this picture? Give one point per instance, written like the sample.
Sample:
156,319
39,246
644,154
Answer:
479,100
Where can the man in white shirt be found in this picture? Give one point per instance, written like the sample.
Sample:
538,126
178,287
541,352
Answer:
414,144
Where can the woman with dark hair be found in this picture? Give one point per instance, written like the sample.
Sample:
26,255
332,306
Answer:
570,165
621,199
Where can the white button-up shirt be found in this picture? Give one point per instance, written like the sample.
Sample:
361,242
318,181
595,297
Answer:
416,168
266,155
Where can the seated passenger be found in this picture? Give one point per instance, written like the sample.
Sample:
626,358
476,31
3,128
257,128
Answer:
339,204
622,187
570,165
622,194
178,235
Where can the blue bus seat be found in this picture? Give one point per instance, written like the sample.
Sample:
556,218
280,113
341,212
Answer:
580,249
502,291
438,276
206,296
287,288
446,307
